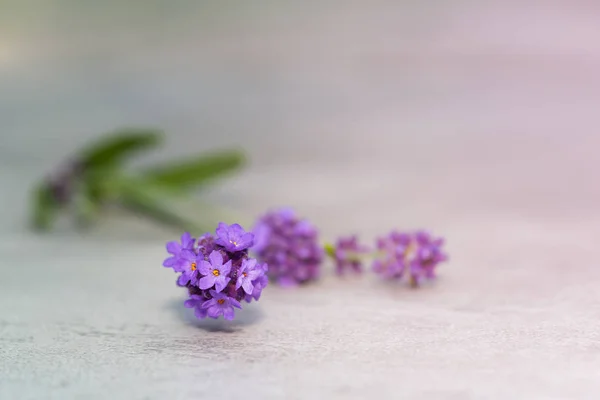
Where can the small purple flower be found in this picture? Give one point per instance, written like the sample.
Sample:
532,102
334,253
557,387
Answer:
427,256
206,266
233,237
348,255
259,285
175,249
195,301
417,254
215,272
189,268
221,304
289,246
247,273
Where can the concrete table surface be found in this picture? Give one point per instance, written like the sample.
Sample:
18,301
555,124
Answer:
477,120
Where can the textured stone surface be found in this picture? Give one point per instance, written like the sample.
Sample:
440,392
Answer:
477,120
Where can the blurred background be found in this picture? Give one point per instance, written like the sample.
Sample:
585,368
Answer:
414,111
476,119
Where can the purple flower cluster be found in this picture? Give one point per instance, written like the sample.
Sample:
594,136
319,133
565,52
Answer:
414,254
217,271
289,246
348,255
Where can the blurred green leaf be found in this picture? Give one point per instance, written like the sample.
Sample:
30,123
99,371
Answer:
150,200
44,208
118,145
329,250
195,171
86,209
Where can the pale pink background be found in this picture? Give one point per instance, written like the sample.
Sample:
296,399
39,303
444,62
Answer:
477,119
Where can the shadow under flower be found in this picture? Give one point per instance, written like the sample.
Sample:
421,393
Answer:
249,315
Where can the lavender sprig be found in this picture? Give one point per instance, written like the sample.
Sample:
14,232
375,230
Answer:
290,246
217,271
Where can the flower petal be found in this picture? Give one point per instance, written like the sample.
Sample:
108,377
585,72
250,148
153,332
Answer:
205,268
216,259
182,280
228,313
206,282
225,268
214,312
187,240
248,286
234,302
170,262
200,312
173,247
220,282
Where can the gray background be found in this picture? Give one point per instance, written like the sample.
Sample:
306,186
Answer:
475,119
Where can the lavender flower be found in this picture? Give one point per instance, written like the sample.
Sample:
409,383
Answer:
347,254
215,272
195,301
416,254
221,304
246,274
289,246
259,284
189,267
175,249
233,237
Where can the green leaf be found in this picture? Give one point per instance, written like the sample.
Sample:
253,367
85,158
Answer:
195,171
44,208
329,249
115,146
149,200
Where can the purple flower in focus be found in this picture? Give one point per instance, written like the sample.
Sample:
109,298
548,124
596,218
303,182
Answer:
347,254
221,304
195,301
233,237
416,254
289,246
215,272
176,249
189,268
247,273
220,266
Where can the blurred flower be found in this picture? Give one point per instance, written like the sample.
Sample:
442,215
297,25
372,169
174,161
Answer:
347,254
416,254
210,271
289,246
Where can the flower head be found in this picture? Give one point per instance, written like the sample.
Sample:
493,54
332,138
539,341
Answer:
176,249
416,254
289,246
347,254
221,304
210,268
215,272
233,237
